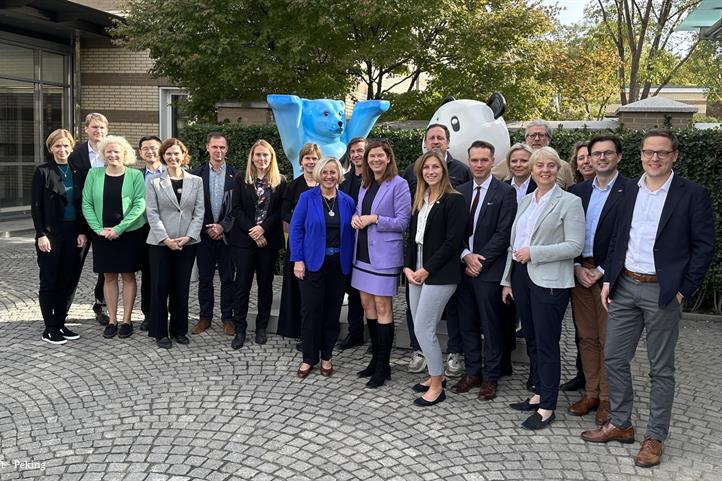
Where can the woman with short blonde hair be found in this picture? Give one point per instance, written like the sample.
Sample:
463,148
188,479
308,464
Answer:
113,205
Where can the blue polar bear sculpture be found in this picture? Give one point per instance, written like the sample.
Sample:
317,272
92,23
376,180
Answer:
323,122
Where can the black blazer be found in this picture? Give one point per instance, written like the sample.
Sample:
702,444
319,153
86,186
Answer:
291,195
243,211
529,188
443,237
49,200
80,156
607,219
203,173
493,226
685,243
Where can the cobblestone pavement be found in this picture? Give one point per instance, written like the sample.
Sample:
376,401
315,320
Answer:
97,409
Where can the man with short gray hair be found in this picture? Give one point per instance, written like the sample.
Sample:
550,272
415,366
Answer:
538,134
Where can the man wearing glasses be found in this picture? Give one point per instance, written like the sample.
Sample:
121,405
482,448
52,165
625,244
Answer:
539,134
149,148
659,254
600,198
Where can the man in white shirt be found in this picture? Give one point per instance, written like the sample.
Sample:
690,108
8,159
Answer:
659,254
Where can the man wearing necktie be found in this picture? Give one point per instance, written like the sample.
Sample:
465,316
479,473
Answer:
491,209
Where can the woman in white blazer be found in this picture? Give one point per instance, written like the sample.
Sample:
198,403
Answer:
548,233
175,208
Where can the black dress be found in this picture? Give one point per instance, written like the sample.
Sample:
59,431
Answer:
289,313
362,252
124,254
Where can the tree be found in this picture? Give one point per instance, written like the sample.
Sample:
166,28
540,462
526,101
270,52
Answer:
585,73
239,49
643,32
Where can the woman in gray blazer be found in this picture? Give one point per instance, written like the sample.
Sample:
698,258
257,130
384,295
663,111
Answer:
548,233
175,208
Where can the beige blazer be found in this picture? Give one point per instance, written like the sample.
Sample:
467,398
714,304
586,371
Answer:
169,218
557,238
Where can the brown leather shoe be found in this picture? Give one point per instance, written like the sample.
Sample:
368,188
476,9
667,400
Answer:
303,373
229,328
466,384
487,391
604,413
650,454
583,406
609,432
201,326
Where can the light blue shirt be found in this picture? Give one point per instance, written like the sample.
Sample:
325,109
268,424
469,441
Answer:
216,185
149,174
594,211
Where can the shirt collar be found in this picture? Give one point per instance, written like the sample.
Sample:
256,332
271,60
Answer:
484,185
610,184
665,187
221,170
91,150
524,184
545,197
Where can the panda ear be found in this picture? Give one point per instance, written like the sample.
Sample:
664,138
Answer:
497,104
447,99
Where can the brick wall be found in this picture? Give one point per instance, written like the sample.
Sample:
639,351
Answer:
115,82
648,120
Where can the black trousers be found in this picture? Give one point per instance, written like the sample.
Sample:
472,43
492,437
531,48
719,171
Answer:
59,275
248,261
541,311
145,276
321,299
410,325
508,334
479,305
170,278
215,255
355,317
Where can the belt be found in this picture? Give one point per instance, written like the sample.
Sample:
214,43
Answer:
332,250
640,277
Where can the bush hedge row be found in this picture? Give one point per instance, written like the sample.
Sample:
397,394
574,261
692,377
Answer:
700,160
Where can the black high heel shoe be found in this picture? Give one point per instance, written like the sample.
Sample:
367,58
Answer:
420,401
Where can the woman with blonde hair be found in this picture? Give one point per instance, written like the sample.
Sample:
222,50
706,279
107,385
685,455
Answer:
321,248
113,205
432,266
60,233
289,313
256,236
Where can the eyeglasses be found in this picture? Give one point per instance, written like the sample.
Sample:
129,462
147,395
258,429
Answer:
149,149
661,154
607,154
536,136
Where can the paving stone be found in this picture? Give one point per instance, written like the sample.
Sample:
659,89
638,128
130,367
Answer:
98,409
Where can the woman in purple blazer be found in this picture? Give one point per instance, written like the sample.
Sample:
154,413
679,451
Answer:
382,215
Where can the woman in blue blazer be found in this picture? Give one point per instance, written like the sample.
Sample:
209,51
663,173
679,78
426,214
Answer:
322,243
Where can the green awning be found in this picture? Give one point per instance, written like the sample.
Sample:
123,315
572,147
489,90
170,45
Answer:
706,15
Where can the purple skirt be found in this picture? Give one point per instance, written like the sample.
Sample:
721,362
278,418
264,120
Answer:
378,282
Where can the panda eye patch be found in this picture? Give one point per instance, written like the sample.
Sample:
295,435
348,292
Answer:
455,124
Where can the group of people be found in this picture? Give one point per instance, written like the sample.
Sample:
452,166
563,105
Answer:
486,245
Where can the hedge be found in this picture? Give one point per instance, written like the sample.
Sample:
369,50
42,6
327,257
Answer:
700,160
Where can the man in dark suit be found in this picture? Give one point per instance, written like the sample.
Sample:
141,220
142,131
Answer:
600,199
437,137
662,246
491,207
213,253
86,156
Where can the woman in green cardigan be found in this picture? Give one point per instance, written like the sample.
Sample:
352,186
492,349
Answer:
113,205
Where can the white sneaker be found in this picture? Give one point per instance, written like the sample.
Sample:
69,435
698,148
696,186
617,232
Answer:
417,363
454,365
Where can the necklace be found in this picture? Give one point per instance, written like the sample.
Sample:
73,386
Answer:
64,172
331,213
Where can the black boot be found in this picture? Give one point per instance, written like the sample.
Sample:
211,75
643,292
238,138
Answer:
382,373
373,334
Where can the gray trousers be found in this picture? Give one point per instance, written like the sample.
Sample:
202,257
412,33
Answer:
635,306
427,305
